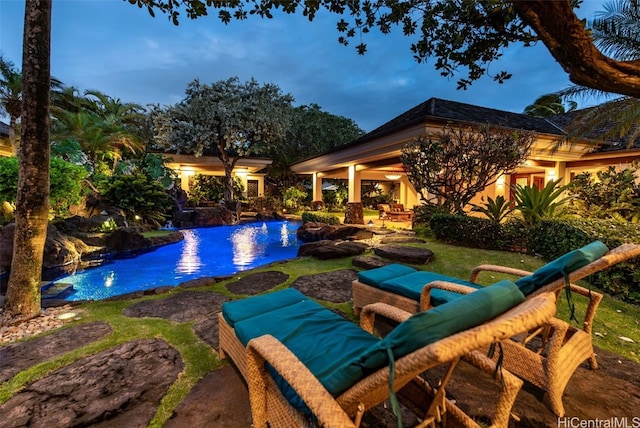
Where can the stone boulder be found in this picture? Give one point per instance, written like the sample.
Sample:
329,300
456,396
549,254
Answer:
61,252
368,262
317,231
402,254
217,215
118,387
125,241
326,249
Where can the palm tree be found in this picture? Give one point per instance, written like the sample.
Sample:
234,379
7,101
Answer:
549,105
616,32
11,96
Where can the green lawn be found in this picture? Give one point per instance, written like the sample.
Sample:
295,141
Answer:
614,319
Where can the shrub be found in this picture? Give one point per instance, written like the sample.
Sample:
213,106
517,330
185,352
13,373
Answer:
140,196
467,231
552,238
320,217
613,194
293,197
66,183
535,204
495,210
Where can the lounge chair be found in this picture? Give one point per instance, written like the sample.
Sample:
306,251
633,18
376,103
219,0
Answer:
561,347
303,362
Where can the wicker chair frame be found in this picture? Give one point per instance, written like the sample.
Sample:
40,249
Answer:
560,348
269,408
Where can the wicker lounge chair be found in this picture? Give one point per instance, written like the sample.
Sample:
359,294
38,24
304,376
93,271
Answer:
302,361
560,348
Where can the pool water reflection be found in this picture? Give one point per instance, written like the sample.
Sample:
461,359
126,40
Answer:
213,251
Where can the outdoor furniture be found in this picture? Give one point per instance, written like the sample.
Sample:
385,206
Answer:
394,212
304,362
561,347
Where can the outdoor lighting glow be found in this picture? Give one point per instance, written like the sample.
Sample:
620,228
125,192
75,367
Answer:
393,176
66,316
500,181
189,260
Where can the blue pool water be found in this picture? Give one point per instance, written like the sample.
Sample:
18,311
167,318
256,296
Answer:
213,251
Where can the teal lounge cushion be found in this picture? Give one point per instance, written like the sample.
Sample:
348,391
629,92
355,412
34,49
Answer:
424,328
375,276
411,286
561,266
239,310
321,339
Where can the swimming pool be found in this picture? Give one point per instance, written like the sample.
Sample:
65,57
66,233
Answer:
213,251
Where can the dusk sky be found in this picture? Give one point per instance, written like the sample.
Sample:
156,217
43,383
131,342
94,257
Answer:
119,49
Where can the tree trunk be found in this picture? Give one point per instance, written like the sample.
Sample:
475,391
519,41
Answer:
12,135
32,203
570,43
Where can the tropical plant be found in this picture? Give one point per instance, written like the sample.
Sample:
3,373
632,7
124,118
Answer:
459,163
293,197
549,105
495,210
66,183
613,194
10,96
207,188
140,197
535,204
227,118
32,200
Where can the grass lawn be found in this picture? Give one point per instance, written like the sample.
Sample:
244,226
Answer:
613,320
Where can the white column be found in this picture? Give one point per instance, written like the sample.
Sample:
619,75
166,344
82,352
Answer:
354,184
317,187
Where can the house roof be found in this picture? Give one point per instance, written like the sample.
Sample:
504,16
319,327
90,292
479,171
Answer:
439,110
436,108
4,129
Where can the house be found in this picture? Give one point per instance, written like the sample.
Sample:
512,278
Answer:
246,169
376,155
5,144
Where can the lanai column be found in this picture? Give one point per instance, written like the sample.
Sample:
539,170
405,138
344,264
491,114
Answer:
316,183
354,213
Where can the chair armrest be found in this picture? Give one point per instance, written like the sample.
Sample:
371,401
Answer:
269,349
425,294
594,301
369,312
496,268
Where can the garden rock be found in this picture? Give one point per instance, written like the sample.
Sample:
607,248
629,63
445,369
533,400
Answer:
402,254
127,241
18,356
181,307
249,284
62,253
121,386
332,286
402,239
326,249
203,407
368,262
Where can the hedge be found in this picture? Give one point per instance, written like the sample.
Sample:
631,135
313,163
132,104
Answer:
549,239
320,217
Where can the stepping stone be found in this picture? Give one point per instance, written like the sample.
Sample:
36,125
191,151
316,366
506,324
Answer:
118,387
16,357
368,262
330,286
257,283
181,307
402,254
220,400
